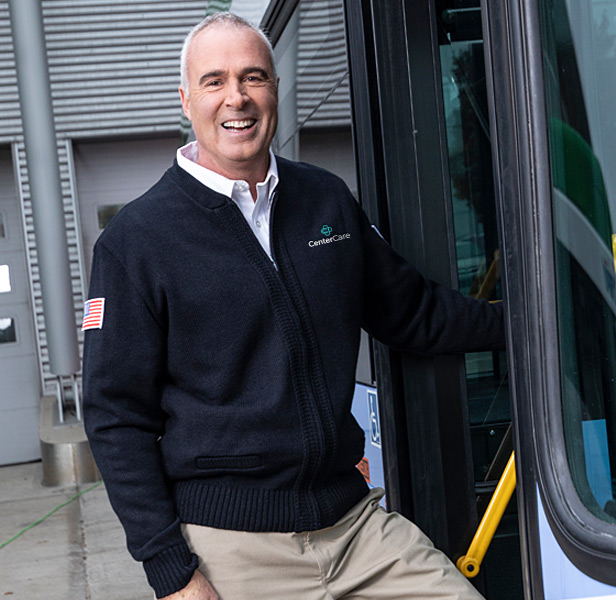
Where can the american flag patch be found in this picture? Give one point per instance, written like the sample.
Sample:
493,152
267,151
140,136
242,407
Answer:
93,313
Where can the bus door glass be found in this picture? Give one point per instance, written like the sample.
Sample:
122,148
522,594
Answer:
478,265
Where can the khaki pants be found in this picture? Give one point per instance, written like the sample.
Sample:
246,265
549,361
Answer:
368,555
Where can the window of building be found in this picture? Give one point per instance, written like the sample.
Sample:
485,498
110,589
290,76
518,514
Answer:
5,279
106,212
7,330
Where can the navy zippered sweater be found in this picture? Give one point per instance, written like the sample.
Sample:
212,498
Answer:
218,390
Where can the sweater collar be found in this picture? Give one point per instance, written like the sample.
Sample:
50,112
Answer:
208,197
187,155
196,190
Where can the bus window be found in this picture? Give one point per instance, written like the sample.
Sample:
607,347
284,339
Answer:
579,43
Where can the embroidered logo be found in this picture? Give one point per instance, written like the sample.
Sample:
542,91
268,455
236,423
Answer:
327,231
94,311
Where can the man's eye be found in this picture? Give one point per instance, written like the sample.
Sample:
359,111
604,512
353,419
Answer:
254,78
213,83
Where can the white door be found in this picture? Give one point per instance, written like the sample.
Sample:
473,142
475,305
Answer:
19,371
111,174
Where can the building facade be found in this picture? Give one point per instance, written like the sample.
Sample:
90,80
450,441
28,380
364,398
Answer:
114,72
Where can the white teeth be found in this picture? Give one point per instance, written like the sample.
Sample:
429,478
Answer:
239,124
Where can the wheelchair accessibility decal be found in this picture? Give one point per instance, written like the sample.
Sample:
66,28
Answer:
375,422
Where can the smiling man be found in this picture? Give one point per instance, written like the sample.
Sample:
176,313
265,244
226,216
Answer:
219,368
230,94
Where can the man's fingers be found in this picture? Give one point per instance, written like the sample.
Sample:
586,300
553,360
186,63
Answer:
198,588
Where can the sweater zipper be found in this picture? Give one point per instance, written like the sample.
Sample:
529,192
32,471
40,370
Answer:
310,509
306,503
271,229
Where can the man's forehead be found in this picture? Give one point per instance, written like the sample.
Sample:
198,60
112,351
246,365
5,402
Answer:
226,38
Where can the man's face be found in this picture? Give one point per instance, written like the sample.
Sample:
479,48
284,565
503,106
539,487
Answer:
232,100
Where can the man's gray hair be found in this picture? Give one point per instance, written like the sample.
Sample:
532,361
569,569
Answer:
226,19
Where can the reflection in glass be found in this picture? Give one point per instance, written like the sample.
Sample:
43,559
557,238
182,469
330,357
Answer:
579,40
474,215
7,330
314,111
5,279
106,212
473,205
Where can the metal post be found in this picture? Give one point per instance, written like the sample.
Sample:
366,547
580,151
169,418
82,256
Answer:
76,397
60,398
45,186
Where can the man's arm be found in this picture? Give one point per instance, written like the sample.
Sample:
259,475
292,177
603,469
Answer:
124,367
412,314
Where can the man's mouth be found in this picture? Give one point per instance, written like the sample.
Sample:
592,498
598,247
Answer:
239,125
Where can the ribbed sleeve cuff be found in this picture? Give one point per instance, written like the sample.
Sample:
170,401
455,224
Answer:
170,570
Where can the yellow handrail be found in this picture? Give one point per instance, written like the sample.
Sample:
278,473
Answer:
469,563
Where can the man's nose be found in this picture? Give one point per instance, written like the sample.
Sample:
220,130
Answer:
236,94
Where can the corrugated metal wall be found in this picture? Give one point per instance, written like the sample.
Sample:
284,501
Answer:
114,64
74,247
323,76
10,120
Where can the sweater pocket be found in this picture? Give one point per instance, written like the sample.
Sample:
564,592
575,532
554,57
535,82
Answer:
215,465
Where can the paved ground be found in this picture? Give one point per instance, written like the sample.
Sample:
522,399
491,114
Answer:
78,553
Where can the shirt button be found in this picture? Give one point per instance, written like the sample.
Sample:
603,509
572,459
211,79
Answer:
258,223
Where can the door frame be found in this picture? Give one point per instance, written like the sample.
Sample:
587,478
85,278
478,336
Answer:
402,162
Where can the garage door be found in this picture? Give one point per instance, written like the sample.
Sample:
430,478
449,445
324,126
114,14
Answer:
19,370
110,174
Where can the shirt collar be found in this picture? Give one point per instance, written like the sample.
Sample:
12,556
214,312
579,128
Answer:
187,160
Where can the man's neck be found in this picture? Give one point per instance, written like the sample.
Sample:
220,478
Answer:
252,173
187,159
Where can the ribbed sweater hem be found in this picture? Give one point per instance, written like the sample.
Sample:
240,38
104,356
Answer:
170,570
252,509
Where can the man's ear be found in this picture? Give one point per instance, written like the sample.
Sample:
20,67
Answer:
185,102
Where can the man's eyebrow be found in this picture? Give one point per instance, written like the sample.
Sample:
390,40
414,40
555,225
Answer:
209,75
219,73
263,72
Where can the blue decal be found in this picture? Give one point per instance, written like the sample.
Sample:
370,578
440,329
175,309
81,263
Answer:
375,421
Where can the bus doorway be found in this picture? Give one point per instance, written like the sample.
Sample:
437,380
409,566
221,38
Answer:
426,178
473,118
423,163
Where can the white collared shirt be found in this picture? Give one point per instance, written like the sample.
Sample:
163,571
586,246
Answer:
257,214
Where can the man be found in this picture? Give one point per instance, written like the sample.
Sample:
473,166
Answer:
219,366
